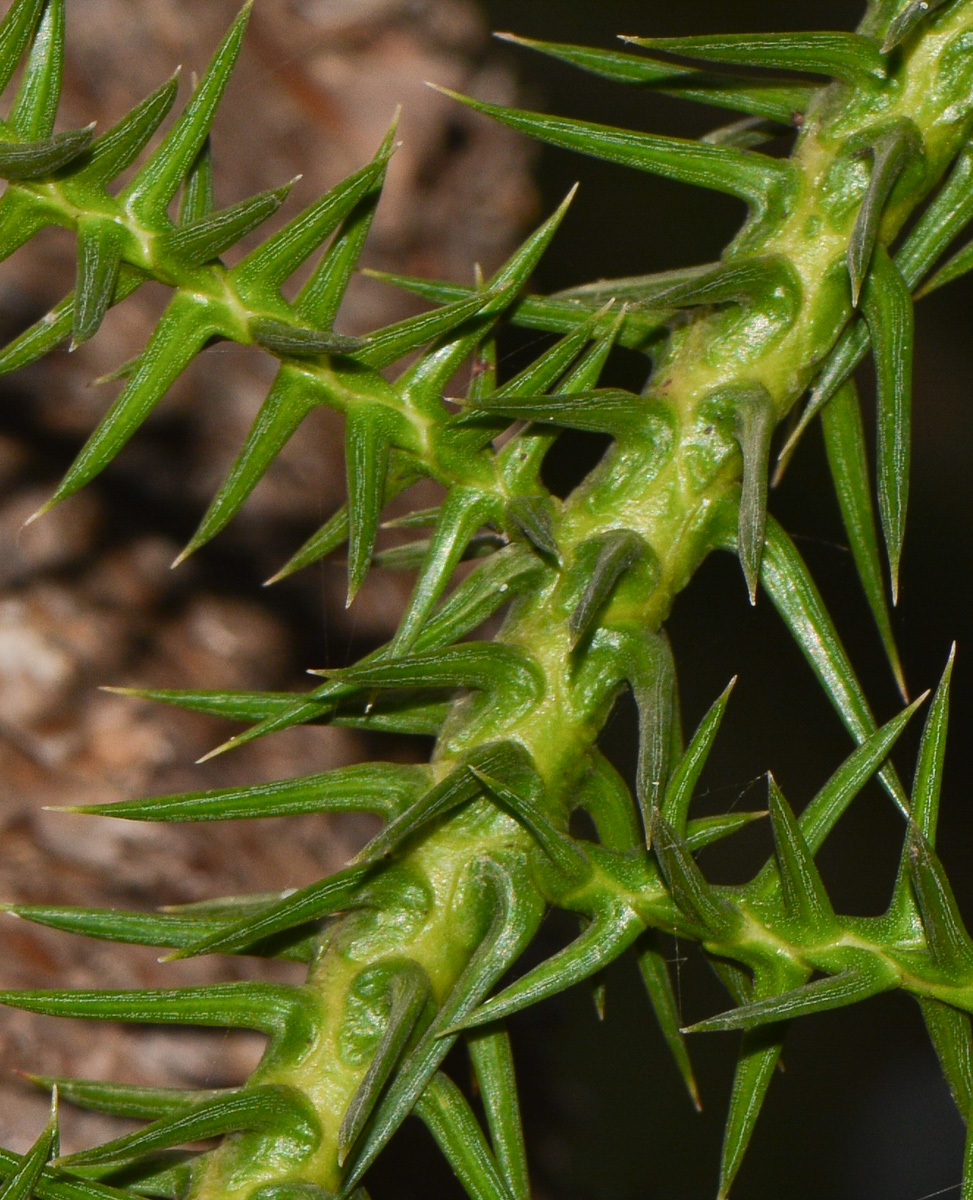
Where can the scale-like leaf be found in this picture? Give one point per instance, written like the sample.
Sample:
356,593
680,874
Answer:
267,1107
408,990
751,177
654,970
847,56
149,194
834,991
22,1183
695,897
891,152
909,20
612,930
493,1064
789,585
100,244
517,912
888,310
445,1112
384,788
932,752
804,893
685,775
604,559
844,439
776,101
755,417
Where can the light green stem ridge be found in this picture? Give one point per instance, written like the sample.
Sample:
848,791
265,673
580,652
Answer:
673,483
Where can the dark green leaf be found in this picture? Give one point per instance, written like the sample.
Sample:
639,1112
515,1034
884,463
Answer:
908,20
651,672
950,1034
751,177
445,1112
44,156
949,944
16,29
295,341
100,244
119,147
805,896
198,196
755,417
126,1099
493,1063
367,447
604,559
887,305
696,898
35,106
685,776
22,1183
532,516
779,102
932,752
205,238
844,439
654,969
847,56
758,1058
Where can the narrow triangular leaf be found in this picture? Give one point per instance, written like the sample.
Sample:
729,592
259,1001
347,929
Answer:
844,439
532,516
777,101
887,305
197,198
685,776
205,238
749,176
35,106
15,32
37,159
835,991
907,21
788,583
603,559
755,416
951,1036
295,341
408,990
100,245
955,268
608,410
949,943
52,1184
445,1112
384,788
612,930
932,752
148,195
651,673
696,898
127,1099
891,151
119,147
268,1107
805,896
22,1183
492,1058
655,975
367,447
386,346
517,910
847,56
758,1058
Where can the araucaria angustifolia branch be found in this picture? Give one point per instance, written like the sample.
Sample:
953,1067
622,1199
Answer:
405,946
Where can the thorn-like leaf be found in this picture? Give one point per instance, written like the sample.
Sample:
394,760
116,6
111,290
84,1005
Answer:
758,1058
834,991
685,776
755,417
655,975
951,1035
932,752
844,439
119,146
268,1107
612,930
603,794
516,914
206,237
788,583
651,673
35,106
367,447
751,177
37,159
294,341
16,29
532,516
887,305
493,1063
776,101
955,268
907,21
126,1099
804,894
384,788
604,559
847,56
891,151
446,1113
197,198
949,943
100,245
408,990
148,196
22,1183
696,898
607,410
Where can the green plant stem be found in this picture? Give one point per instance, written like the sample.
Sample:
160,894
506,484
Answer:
674,482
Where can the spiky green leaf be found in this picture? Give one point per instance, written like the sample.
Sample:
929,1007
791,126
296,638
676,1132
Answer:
685,775
654,969
444,1110
493,1063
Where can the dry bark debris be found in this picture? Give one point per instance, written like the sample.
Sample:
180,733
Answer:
85,601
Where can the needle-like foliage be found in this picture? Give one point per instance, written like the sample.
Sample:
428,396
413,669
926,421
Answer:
407,946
